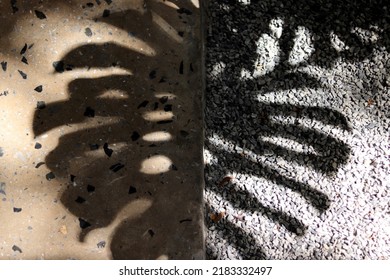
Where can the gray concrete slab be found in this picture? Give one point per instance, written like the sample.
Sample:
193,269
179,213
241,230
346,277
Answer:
102,134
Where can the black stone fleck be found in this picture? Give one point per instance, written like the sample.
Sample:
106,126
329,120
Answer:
24,75
164,99
116,167
90,188
135,136
89,112
152,74
29,47
50,176
39,164
79,199
164,122
16,248
38,88
13,6
143,104
59,66
108,2
101,244
107,150
41,105
106,13
98,2
180,33
2,188
181,68
89,4
185,220
173,167
24,60
72,177
40,14
155,106
17,210
88,32
191,68
93,147
184,11
151,232
84,224
38,145
4,65
1,152
168,108
163,80
24,49
132,190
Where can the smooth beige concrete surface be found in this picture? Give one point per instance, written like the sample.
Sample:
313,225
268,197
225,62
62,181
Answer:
101,130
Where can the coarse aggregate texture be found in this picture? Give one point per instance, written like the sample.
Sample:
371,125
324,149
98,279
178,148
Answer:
297,119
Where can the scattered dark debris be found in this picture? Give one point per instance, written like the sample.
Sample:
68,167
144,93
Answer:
4,65
72,177
132,190
31,45
185,220
24,75
164,122
14,7
180,33
168,108
79,199
184,11
152,74
24,60
116,167
2,188
38,145
155,106
40,14
106,13
50,176
93,147
143,104
135,136
89,112
98,2
101,244
107,150
39,88
90,188
39,164
41,105
88,32
84,224
108,1
17,210
5,93
151,232
90,4
173,167
163,99
24,49
163,80
181,68
59,66
16,248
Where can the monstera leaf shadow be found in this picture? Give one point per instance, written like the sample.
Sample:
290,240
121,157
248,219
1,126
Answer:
103,156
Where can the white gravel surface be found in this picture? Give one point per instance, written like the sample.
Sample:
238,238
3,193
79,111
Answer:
297,116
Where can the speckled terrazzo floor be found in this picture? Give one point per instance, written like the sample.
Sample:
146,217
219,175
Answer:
98,101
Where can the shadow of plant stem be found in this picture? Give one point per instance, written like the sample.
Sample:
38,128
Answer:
103,156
